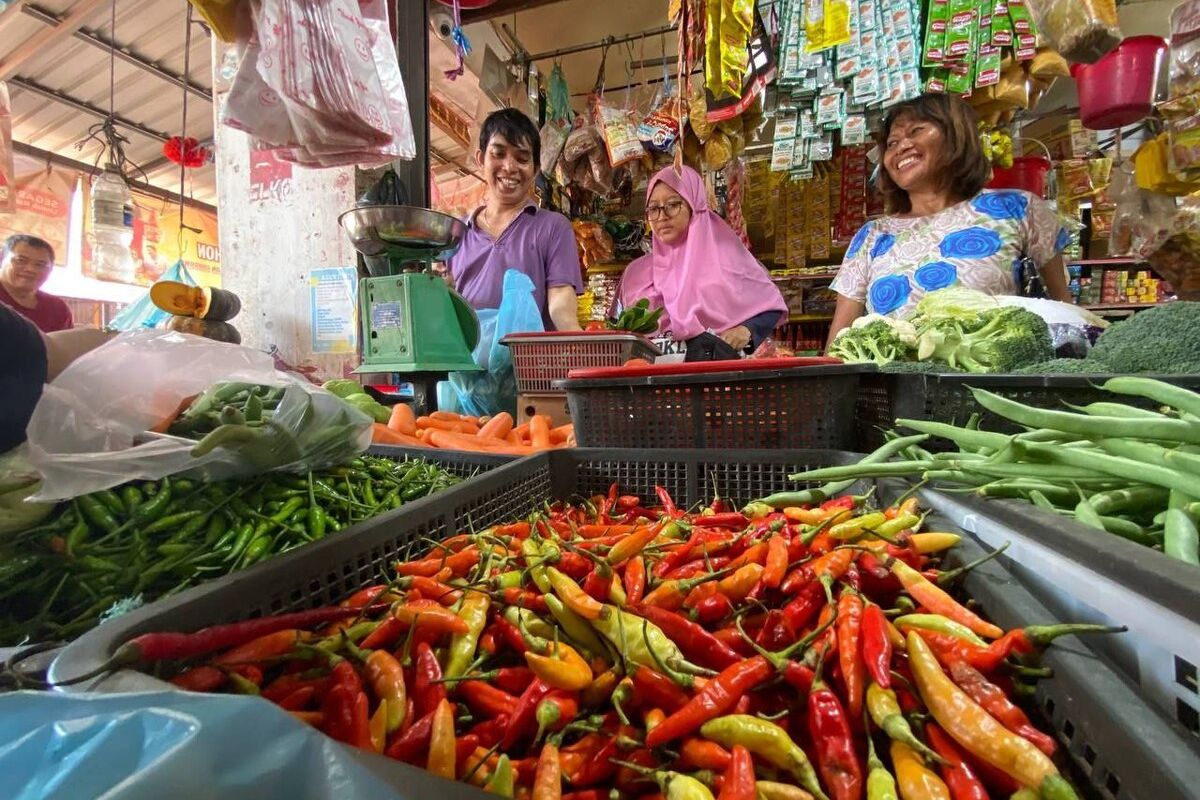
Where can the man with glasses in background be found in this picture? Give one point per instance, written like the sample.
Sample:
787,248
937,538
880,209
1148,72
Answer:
24,268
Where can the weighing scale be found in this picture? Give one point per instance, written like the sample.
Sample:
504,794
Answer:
413,323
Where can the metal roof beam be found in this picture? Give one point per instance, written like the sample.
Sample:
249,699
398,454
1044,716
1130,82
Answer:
87,169
87,108
98,40
36,45
10,14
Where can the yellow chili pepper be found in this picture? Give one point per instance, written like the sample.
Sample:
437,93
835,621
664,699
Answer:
811,516
739,584
934,598
378,727
977,731
884,709
561,668
442,753
934,542
915,780
854,527
574,597
599,690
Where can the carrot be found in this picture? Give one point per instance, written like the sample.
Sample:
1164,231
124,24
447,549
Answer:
446,416
513,438
562,433
539,431
403,420
164,423
460,426
448,440
497,427
522,432
382,434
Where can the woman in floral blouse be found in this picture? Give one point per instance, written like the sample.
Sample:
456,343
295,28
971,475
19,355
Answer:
943,228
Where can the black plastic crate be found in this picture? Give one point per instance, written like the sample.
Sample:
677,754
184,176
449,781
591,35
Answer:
884,397
1121,746
1089,576
788,407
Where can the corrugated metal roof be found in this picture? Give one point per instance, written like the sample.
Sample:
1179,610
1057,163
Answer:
61,92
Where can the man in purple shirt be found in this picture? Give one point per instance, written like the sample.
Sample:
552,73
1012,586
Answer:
511,232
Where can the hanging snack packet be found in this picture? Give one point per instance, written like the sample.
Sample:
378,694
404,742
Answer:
814,26
855,130
987,68
1002,27
1082,30
620,135
659,131
837,22
936,84
935,33
960,31
1185,49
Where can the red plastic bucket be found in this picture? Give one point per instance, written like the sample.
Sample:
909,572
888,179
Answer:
1119,88
1027,172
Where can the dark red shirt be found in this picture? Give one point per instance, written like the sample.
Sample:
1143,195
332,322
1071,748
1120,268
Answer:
50,314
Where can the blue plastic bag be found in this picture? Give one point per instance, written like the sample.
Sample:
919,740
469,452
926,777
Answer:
142,313
148,746
495,389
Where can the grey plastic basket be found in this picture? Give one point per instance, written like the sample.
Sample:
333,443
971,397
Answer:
884,397
1089,576
1122,747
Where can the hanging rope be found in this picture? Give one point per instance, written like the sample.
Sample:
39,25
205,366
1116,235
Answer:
462,45
187,64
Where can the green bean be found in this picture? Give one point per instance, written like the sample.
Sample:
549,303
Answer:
1127,530
1128,498
1183,400
1118,467
1025,470
1101,409
1180,537
823,493
1152,454
1017,487
1099,427
1041,501
963,437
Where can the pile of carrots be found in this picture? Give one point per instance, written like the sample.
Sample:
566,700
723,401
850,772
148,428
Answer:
446,430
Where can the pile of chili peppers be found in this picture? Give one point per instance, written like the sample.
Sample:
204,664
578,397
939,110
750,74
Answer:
607,650
148,539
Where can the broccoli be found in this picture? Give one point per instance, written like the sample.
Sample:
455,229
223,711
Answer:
1005,339
877,341
919,367
1066,366
1164,339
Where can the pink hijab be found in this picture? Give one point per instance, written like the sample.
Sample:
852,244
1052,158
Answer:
707,281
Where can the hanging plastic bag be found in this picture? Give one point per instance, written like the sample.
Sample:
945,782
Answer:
495,389
142,313
89,430
558,119
148,745
1082,31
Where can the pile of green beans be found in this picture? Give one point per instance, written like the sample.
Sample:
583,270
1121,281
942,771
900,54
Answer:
1125,470
115,549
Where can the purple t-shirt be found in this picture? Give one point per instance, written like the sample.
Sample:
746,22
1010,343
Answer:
538,242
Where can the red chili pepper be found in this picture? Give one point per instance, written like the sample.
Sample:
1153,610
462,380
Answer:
697,567
412,743
486,699
995,701
733,639
598,768
431,589
386,634
844,503
739,778
877,646
490,731
199,679
524,598
799,676
347,716
635,581
573,565
524,719
704,754
298,699
344,674
668,505
714,608
427,691
804,606
363,597
775,567
717,697
849,624
656,690
597,585
676,556
834,743
464,748
956,772
697,644
284,685
776,632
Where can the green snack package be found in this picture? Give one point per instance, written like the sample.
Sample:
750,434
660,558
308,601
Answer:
960,31
935,33
1002,29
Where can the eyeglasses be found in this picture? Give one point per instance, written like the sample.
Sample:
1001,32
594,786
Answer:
667,210
22,261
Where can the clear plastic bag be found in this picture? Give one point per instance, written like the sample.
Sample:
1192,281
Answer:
89,430
1081,30
142,313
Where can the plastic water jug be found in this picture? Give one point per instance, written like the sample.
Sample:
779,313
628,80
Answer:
112,226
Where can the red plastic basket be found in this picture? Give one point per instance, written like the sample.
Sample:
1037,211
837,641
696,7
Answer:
1119,88
543,358
757,404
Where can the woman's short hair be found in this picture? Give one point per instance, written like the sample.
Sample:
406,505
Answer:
963,168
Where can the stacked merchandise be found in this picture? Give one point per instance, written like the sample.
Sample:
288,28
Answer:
1129,286
823,88
602,286
852,201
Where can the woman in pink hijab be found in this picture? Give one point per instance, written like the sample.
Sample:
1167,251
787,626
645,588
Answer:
698,270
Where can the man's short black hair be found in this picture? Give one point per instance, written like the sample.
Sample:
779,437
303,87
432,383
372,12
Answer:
28,241
514,126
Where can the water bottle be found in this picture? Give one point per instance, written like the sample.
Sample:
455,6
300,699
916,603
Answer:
112,226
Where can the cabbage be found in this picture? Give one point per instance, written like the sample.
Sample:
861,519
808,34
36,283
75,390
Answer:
18,480
955,302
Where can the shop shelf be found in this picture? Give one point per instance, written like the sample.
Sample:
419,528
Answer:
1119,745
763,403
884,397
1087,576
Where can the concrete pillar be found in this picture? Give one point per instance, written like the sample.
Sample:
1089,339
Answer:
272,236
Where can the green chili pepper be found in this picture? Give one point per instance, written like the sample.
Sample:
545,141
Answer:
256,550
535,560
173,521
217,526
642,642
76,535
501,782
896,525
511,579
155,507
940,624
111,501
132,497
575,626
97,513
239,544
473,610
768,741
